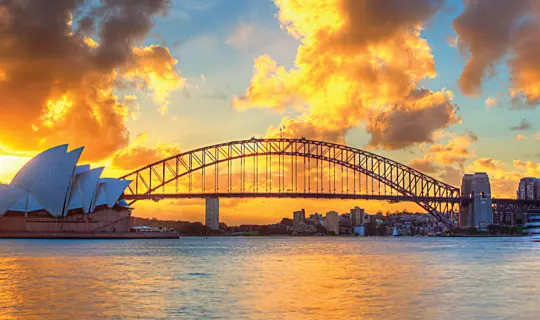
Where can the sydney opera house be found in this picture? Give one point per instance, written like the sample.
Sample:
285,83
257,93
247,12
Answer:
52,194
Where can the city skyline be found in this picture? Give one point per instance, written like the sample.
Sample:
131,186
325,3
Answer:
195,77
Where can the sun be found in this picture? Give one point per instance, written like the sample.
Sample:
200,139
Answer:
9,165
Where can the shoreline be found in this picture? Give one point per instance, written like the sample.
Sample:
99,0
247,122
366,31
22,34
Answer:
89,235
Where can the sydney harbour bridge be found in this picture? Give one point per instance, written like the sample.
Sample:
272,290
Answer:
300,168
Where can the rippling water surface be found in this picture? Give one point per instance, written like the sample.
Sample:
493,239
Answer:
271,278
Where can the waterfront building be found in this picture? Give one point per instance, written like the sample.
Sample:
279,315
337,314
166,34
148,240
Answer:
345,224
332,222
315,219
345,220
532,223
51,188
372,228
357,215
360,230
299,216
212,213
529,189
478,212
301,228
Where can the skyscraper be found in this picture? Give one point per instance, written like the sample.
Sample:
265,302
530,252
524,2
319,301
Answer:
357,215
299,216
212,213
332,222
528,189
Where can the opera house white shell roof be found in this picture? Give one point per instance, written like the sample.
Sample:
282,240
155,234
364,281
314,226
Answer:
52,182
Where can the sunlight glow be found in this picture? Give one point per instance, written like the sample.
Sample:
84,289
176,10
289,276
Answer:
56,111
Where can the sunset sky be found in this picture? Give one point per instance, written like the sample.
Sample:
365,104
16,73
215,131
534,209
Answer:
446,87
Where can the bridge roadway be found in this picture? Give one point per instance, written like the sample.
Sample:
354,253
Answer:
296,195
392,198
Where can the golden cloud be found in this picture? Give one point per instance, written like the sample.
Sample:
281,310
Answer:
59,84
358,62
503,183
445,160
153,68
455,151
425,164
137,155
530,168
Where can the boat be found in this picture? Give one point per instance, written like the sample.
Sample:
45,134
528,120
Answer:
532,226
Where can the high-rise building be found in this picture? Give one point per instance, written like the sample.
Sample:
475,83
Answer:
212,213
529,189
299,216
332,222
357,215
345,220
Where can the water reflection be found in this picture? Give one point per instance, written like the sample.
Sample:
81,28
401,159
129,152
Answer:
277,278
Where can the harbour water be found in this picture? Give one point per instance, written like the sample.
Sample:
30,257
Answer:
271,278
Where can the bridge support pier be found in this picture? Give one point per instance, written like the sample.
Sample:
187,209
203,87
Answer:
477,212
212,213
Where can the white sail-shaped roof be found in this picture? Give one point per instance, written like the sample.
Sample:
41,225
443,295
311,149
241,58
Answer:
114,188
8,196
49,178
71,188
99,196
53,182
109,191
84,189
80,169
27,176
123,203
27,203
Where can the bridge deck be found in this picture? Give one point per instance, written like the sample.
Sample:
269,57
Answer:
155,196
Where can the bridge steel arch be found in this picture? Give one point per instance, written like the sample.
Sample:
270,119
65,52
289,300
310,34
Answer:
405,183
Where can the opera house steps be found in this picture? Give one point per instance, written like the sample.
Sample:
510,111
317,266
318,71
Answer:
53,197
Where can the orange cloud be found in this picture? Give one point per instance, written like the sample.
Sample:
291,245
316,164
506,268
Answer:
492,102
455,151
60,84
136,155
425,164
488,164
504,182
530,168
344,77
154,68
445,161
490,30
